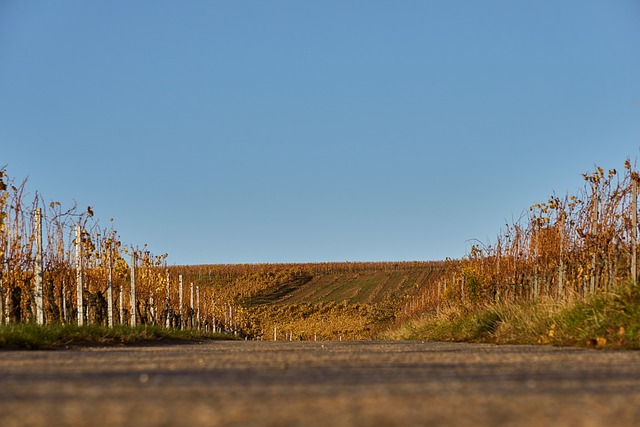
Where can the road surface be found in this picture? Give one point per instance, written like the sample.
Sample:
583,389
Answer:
320,384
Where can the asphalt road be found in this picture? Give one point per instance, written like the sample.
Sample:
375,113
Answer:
320,384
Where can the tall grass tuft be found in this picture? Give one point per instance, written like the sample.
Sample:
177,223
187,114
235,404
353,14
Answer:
604,320
608,320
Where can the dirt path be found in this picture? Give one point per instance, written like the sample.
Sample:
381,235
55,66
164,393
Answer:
320,384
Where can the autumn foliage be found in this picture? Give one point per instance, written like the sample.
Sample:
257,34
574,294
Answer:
568,247
109,282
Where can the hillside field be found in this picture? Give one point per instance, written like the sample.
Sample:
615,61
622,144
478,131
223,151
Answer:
311,301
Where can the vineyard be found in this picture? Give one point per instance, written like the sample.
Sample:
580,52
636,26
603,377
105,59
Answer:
60,266
564,249
323,301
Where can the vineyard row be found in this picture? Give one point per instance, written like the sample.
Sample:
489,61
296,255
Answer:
59,265
565,248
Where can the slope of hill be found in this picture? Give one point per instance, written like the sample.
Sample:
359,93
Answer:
312,301
365,287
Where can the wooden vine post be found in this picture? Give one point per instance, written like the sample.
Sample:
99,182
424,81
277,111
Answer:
198,306
79,289
152,308
214,324
634,226
226,318
191,307
180,300
132,298
168,302
121,304
594,235
110,288
561,259
38,270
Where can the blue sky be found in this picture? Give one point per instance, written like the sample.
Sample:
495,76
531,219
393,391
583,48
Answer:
289,131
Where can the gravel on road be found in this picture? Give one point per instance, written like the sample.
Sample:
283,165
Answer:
251,383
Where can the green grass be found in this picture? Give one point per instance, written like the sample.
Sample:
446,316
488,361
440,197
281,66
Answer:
605,320
34,337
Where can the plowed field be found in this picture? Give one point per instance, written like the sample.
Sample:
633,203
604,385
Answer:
369,287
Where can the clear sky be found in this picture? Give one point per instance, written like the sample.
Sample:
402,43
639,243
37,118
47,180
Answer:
300,131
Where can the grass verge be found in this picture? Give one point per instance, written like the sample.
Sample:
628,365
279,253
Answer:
604,320
35,337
